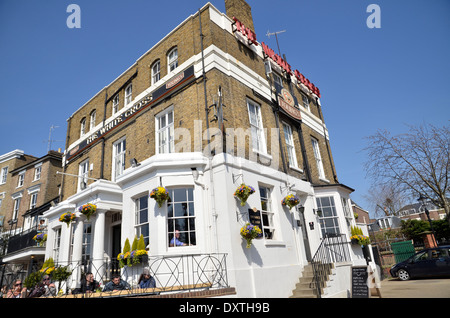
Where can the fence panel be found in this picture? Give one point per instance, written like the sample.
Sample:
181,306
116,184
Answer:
403,250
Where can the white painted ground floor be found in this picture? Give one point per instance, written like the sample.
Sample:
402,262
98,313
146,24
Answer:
208,219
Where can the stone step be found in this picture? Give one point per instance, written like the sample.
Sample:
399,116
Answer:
306,287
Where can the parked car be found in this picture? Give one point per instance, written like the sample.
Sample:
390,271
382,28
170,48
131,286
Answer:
426,263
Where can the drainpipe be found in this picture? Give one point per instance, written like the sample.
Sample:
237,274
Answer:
102,162
61,191
211,177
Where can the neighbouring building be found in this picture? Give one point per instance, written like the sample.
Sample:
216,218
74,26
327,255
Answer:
416,211
204,110
34,188
9,162
361,215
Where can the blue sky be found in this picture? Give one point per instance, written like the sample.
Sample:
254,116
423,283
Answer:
370,79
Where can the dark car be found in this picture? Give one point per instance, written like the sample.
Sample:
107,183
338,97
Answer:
426,263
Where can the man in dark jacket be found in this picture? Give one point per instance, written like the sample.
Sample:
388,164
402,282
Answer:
88,285
116,284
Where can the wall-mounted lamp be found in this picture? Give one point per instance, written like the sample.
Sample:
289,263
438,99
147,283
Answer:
196,174
134,163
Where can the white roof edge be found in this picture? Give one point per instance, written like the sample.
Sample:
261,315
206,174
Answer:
10,155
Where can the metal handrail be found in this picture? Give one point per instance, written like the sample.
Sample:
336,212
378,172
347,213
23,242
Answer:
171,273
334,248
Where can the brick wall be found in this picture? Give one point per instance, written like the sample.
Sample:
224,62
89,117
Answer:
189,105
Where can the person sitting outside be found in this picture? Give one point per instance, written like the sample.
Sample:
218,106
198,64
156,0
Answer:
88,285
18,291
116,284
44,289
42,228
146,280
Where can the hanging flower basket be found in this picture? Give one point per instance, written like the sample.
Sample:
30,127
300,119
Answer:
40,238
67,218
250,232
290,201
88,209
243,192
160,195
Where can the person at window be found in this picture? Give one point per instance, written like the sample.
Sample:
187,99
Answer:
116,284
88,285
175,240
146,280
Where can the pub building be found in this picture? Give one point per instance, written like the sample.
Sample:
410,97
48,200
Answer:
204,110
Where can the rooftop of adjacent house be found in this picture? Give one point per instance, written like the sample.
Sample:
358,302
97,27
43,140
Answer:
50,155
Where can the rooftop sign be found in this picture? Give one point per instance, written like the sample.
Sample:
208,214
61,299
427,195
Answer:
268,52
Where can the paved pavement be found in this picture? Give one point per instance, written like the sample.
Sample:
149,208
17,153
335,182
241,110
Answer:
416,288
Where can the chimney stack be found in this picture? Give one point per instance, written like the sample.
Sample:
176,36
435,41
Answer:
241,10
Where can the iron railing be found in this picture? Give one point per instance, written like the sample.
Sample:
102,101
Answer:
334,248
171,274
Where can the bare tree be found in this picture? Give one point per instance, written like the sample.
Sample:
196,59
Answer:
414,163
385,199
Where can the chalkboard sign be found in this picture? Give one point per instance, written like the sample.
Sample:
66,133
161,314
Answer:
255,218
360,287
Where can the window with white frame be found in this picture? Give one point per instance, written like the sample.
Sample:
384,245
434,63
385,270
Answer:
156,72
92,119
288,137
317,156
83,172
142,219
82,127
172,59
305,100
21,179
277,79
128,94
37,172
33,200
86,246
115,104
181,217
267,213
4,175
328,218
165,142
256,126
119,154
16,208
56,243
346,207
